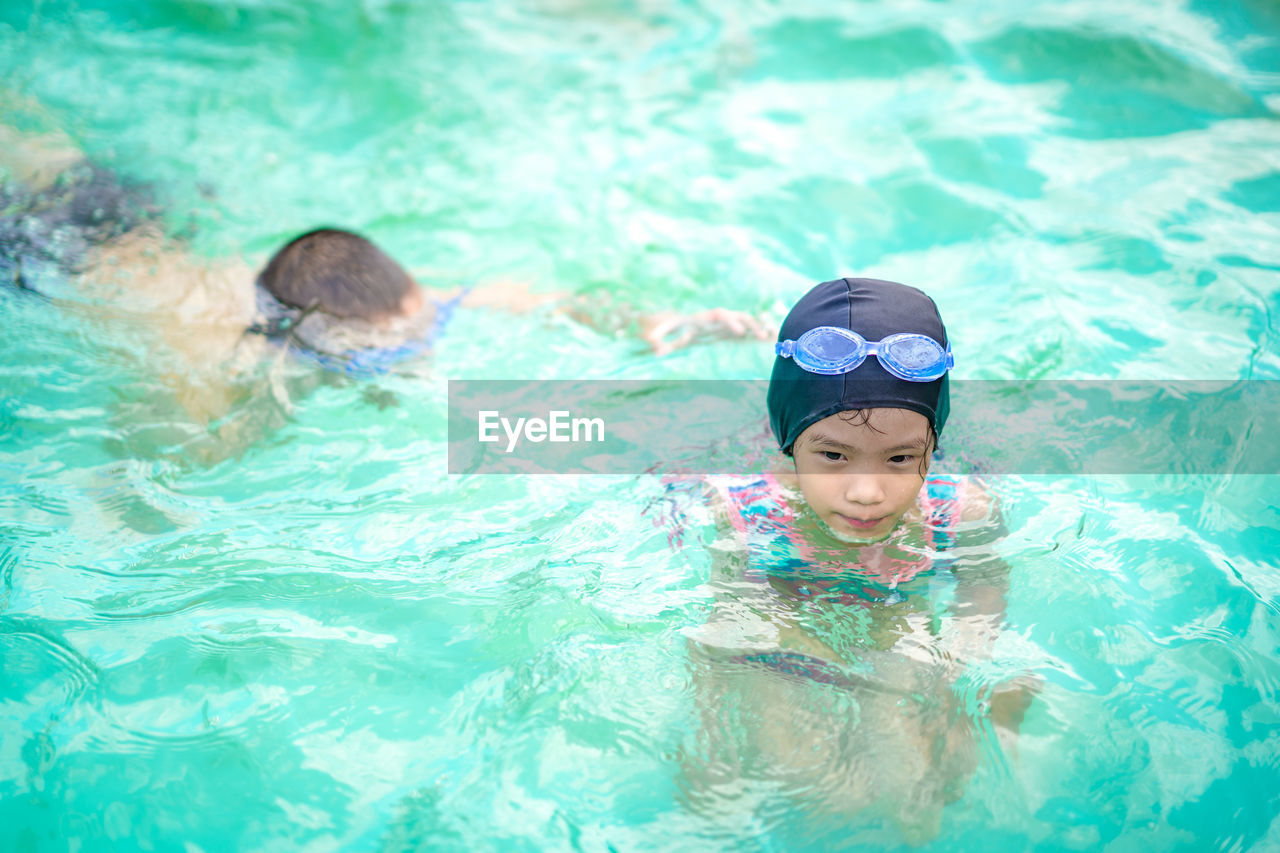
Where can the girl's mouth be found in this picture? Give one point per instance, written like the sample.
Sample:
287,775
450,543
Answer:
860,524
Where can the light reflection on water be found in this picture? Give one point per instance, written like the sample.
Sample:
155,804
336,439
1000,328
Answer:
330,639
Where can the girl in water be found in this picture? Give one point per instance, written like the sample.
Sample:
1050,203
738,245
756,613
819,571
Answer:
844,620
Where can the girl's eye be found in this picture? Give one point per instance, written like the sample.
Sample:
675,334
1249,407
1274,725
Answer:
900,459
832,456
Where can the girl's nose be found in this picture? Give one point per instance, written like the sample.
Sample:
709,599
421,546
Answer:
866,489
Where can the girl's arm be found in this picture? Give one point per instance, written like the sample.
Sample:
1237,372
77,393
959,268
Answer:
980,610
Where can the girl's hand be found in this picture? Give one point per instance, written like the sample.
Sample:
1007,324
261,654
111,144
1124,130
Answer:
668,331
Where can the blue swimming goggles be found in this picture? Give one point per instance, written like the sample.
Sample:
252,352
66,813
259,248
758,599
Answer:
283,325
831,350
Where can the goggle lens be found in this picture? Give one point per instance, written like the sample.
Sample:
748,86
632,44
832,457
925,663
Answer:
913,354
830,350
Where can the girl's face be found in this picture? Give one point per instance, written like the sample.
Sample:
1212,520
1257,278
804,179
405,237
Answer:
861,476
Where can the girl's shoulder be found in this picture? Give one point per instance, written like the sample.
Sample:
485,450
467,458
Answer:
973,499
747,501
948,500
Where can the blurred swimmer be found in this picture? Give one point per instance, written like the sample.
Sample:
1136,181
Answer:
74,232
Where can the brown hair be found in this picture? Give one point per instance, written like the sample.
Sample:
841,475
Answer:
340,273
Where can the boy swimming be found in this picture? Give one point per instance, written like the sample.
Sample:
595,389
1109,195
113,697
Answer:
72,231
842,618
351,307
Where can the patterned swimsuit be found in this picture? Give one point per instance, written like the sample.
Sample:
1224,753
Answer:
764,518
777,555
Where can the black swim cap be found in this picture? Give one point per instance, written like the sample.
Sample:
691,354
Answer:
874,309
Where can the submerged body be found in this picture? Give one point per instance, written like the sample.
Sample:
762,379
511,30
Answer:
842,666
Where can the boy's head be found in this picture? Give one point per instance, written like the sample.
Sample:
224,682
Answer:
866,406
342,274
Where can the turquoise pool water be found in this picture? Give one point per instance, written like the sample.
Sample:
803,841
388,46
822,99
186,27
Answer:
328,642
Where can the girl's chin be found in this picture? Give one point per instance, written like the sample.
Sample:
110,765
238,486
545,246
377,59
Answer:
857,537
